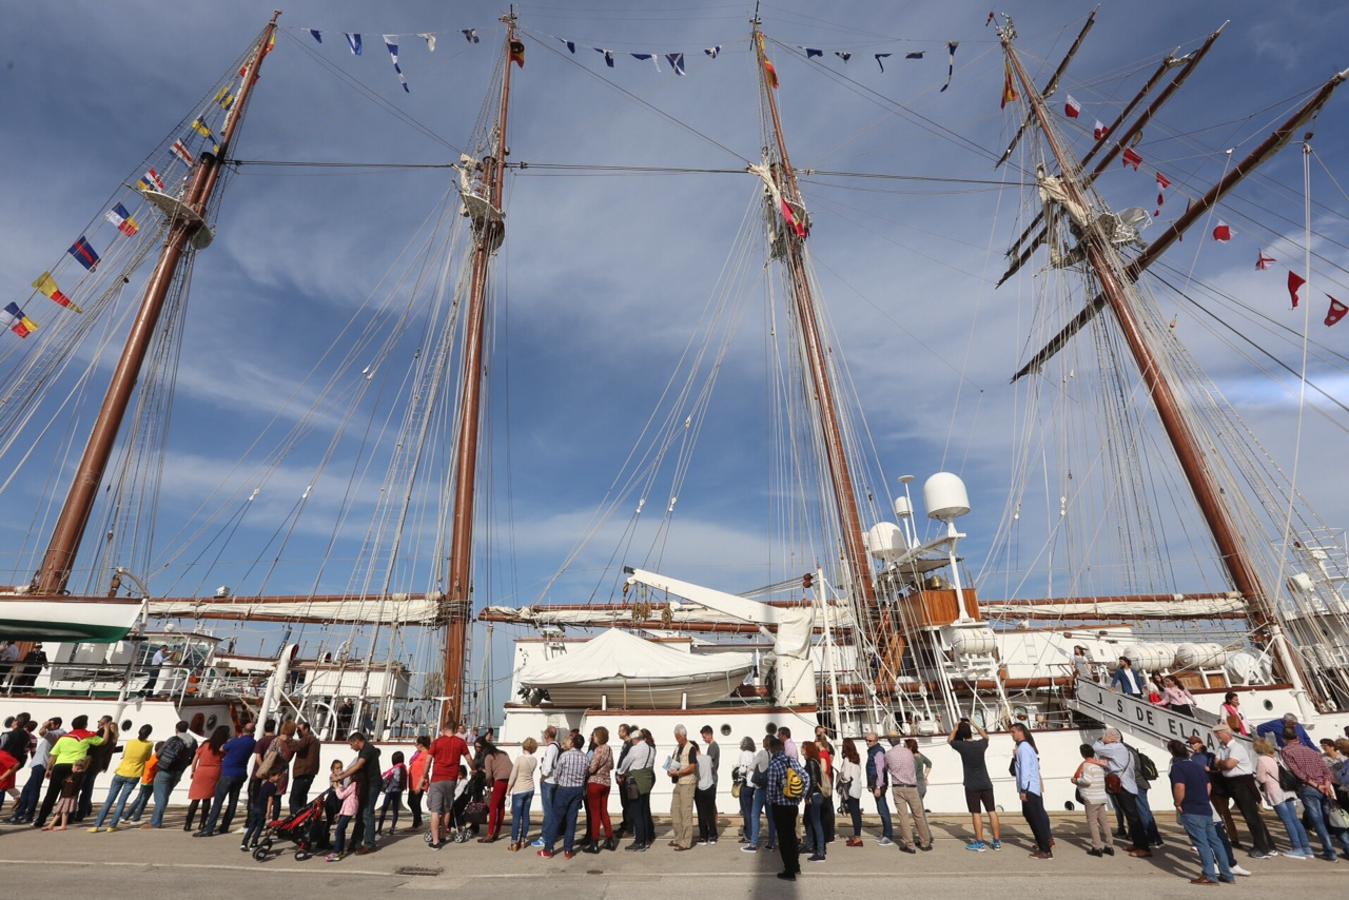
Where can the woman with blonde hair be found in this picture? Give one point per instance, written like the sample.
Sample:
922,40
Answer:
1283,802
520,786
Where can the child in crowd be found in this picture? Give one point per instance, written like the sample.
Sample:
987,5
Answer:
147,786
259,809
395,781
346,793
70,791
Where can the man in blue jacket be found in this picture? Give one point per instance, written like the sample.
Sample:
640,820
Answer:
1126,679
1273,730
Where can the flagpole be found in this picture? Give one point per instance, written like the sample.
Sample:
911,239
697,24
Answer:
487,238
1193,463
855,559
54,574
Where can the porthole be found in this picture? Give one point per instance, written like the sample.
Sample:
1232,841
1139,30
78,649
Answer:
1269,705
126,725
211,721
725,729
1069,805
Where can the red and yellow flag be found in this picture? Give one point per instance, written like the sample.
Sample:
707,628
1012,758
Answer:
518,53
1009,94
46,285
769,72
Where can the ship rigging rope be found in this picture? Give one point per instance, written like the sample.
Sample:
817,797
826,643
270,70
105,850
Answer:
548,45
563,169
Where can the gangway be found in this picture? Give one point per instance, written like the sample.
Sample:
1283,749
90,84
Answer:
1137,717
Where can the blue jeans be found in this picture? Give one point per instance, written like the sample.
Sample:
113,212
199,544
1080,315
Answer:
815,825
1204,836
520,804
1149,821
1317,807
165,782
340,839
883,810
138,805
226,790
32,791
748,821
118,793
548,792
566,804
761,806
1297,835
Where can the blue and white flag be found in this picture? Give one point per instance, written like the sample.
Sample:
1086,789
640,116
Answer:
608,56
318,35
354,42
951,64
917,54
391,43
880,57
570,45
471,35
643,57
811,52
843,55
713,51
430,39
676,61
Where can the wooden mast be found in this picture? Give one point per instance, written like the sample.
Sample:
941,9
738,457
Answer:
488,234
1234,176
68,533
1193,463
817,355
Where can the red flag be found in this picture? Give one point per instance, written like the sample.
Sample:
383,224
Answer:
1132,159
1336,312
1222,232
1262,262
518,53
1295,283
1099,130
1162,184
792,222
1071,108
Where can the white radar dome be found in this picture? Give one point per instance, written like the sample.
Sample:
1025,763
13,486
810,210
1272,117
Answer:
945,496
886,541
903,509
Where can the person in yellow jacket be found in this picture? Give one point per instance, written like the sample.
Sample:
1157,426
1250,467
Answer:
135,755
72,747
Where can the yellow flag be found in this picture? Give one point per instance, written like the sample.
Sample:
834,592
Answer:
224,98
46,285
200,128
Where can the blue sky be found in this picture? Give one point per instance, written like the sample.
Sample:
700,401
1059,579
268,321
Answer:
602,278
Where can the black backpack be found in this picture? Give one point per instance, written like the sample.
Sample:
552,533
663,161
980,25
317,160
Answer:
174,757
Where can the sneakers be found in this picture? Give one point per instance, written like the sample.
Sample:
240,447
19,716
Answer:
1298,855
1039,855
93,830
1238,870
749,848
331,857
537,843
905,848
976,847
545,854
996,845
1096,853
884,842
854,842
1256,854
1108,850
815,858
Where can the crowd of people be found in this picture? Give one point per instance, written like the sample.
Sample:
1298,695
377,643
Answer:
788,791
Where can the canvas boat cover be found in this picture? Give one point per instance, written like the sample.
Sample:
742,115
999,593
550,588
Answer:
618,654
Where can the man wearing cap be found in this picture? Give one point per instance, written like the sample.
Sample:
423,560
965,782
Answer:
1233,760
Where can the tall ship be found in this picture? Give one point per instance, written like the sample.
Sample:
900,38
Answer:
1142,517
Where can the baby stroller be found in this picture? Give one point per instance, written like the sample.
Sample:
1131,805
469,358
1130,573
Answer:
466,812
308,829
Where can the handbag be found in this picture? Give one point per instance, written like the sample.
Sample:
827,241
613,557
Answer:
1336,817
1113,784
631,791
735,790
